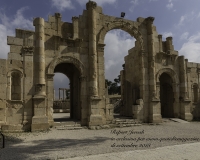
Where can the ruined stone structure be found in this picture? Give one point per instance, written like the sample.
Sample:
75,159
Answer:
156,82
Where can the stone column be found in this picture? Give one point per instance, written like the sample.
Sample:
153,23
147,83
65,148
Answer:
169,46
39,57
183,77
75,27
95,110
93,90
39,120
28,83
154,115
151,50
50,98
160,43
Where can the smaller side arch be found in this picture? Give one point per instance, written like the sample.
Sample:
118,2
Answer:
169,71
15,84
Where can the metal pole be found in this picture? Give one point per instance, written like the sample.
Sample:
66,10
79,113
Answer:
3,137
59,93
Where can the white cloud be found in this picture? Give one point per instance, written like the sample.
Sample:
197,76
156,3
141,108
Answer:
167,34
182,19
198,15
7,28
117,45
191,49
187,18
133,4
62,4
184,36
169,5
99,2
152,0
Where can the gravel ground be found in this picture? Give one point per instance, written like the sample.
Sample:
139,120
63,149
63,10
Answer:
60,144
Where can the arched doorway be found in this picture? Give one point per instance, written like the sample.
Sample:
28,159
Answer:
73,74
166,96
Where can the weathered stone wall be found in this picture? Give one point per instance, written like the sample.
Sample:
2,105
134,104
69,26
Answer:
77,50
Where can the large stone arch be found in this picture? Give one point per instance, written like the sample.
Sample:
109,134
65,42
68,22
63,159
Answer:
65,59
132,29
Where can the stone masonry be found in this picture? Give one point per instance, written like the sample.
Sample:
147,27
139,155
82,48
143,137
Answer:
156,82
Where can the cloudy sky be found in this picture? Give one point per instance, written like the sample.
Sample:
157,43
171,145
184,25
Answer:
177,18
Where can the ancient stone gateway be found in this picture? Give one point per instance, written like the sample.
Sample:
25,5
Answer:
155,82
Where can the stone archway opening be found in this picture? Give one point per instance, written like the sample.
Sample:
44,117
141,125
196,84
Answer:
118,44
67,104
166,96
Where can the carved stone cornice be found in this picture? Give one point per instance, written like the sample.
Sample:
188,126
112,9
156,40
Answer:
91,5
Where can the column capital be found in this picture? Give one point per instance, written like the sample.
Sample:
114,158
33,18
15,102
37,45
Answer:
50,76
101,47
28,50
91,5
198,70
75,18
150,19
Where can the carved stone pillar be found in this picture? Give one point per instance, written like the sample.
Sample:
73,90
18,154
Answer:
50,98
75,27
151,50
160,43
154,104
28,75
93,89
189,83
39,58
183,79
40,119
169,46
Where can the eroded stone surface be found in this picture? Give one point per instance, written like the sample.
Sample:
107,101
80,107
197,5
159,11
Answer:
77,50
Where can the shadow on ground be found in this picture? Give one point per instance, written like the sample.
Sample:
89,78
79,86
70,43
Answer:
40,148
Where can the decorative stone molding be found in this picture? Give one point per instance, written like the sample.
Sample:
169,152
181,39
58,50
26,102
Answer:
67,59
28,50
101,47
50,77
170,72
188,69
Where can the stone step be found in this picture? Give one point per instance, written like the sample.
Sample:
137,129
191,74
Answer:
70,123
178,120
69,128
